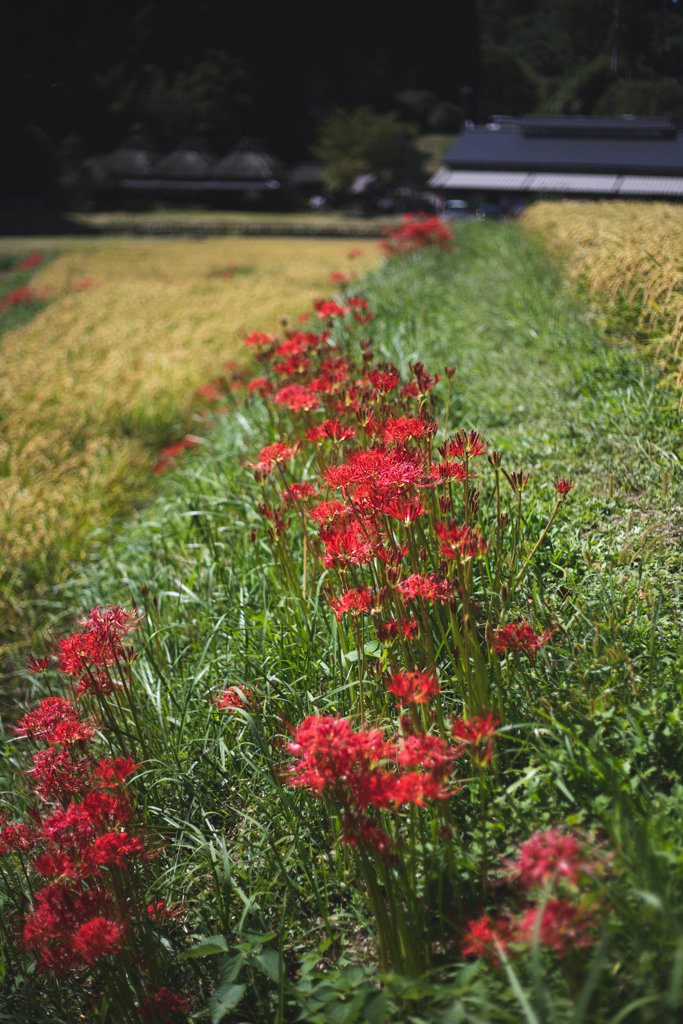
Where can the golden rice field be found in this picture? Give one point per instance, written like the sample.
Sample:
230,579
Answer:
108,372
630,257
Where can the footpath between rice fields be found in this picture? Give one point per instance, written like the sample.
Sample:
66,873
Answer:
407,723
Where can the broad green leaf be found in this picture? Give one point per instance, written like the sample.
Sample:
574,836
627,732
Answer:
207,947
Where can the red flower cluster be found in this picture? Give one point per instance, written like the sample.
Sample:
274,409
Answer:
477,735
417,231
76,919
169,454
18,297
235,698
413,687
92,653
545,861
357,770
519,637
33,260
354,601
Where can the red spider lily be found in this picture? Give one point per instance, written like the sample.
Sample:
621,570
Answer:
349,544
339,277
464,446
353,254
163,1005
259,338
115,848
517,481
113,773
328,310
297,343
210,392
357,304
379,468
167,455
353,601
100,643
34,259
563,926
550,856
331,511
357,830
430,753
398,430
38,664
404,509
389,631
55,775
98,939
296,493
234,699
303,318
330,430
519,637
71,732
486,938
81,286
41,723
477,734
295,364
448,471
261,386
413,687
17,837
160,911
384,380
297,397
461,542
429,588
417,231
18,297
563,487
58,913
333,756
275,454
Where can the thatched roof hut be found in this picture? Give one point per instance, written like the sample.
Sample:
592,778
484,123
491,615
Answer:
247,161
189,162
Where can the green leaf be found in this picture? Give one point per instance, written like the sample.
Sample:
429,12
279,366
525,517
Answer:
269,963
225,998
207,947
375,1009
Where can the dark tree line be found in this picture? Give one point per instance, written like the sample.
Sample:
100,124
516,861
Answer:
77,78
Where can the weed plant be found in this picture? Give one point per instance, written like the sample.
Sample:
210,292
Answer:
271,916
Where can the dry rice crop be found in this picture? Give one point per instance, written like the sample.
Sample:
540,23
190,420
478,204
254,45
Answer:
108,371
630,257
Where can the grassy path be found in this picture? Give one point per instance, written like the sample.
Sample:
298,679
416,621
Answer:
599,740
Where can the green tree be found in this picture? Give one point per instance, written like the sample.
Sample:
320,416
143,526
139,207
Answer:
362,141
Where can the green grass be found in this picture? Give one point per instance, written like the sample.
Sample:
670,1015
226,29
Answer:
598,743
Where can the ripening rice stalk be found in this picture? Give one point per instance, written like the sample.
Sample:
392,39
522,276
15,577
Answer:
629,257
110,369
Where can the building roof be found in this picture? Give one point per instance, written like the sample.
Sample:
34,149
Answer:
570,144
186,162
247,162
621,185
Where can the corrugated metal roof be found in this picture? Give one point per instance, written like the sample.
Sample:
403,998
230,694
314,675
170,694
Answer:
644,186
499,180
505,146
579,184
599,184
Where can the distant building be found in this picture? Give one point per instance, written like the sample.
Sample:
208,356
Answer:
517,159
191,173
